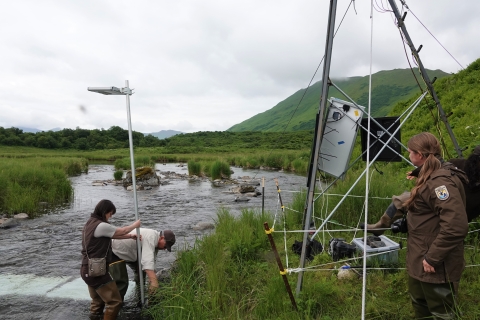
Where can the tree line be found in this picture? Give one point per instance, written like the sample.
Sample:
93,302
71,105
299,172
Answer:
80,139
116,137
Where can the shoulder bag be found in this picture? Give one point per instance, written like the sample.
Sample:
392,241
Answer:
96,266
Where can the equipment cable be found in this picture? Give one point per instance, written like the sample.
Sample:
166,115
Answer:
308,86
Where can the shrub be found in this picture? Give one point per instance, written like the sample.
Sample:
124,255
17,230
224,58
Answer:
117,175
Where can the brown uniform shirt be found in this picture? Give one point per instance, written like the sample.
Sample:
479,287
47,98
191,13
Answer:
437,227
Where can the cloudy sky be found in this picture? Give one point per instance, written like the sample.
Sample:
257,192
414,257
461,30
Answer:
200,65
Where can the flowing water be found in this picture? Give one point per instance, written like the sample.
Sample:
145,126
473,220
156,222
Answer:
40,258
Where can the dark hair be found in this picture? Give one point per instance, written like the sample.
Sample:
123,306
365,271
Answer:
472,169
102,208
428,146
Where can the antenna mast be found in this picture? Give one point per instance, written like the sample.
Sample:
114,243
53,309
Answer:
443,117
313,167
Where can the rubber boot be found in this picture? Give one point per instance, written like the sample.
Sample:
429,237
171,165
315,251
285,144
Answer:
110,314
95,316
113,301
96,305
118,271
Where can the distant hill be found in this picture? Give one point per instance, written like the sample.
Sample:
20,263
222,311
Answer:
388,88
164,134
160,134
25,129
34,130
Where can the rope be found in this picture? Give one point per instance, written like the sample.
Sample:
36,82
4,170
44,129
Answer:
313,269
474,231
285,235
308,86
434,36
367,185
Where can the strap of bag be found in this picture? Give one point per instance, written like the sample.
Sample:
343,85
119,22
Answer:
85,244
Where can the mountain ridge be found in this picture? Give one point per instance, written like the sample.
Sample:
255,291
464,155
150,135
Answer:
299,109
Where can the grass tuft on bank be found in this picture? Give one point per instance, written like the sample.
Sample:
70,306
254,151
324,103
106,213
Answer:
29,185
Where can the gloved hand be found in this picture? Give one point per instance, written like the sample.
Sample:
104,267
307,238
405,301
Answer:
400,225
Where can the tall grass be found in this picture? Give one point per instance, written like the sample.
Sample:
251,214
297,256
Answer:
288,160
27,182
219,170
140,161
232,273
194,168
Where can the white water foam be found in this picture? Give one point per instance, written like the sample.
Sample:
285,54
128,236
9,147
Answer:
49,287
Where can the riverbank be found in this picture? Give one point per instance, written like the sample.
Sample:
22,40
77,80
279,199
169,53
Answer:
34,185
232,274
34,180
48,247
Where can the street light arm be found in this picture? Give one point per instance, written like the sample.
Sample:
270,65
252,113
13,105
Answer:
127,90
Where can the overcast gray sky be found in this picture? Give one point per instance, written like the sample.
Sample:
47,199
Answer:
200,65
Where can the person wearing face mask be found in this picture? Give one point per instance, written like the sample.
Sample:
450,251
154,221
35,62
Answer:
96,243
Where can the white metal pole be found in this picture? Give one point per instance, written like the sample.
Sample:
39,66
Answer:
317,140
134,185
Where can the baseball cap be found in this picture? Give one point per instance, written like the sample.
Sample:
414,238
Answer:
169,239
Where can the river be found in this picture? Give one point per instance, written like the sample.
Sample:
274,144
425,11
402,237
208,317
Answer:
40,258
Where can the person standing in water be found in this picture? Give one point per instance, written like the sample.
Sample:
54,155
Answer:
97,236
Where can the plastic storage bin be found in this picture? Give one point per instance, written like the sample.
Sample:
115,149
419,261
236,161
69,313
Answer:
390,250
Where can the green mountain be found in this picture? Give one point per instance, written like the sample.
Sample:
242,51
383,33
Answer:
459,95
388,88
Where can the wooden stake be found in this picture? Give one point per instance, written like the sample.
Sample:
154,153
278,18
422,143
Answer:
263,195
280,265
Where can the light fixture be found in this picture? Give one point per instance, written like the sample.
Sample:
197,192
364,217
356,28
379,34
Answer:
127,92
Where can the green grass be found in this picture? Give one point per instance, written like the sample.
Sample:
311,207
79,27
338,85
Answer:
289,160
232,273
26,183
140,161
117,175
194,168
220,169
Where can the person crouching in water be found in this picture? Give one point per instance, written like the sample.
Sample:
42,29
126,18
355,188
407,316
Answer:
437,226
151,242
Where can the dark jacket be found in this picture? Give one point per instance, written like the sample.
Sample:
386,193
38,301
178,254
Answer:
97,247
437,227
472,193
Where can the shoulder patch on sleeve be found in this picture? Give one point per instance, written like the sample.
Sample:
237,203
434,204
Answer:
442,193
